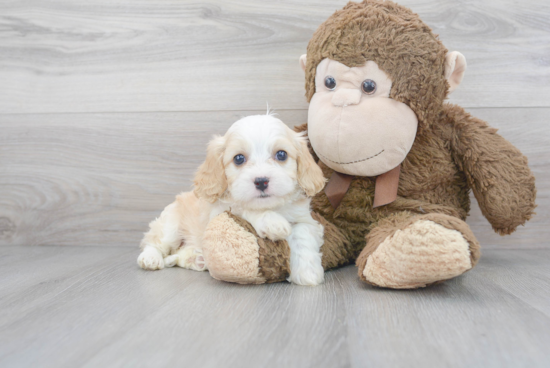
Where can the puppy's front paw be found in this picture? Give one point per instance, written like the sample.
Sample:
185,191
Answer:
275,230
151,259
307,274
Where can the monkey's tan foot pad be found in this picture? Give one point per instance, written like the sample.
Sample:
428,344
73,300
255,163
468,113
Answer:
235,253
423,253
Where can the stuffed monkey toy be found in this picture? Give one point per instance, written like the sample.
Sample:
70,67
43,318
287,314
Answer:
400,162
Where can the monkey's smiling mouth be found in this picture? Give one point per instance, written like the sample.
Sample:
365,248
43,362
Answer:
352,162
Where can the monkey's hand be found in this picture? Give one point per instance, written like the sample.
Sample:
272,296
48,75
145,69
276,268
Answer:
497,172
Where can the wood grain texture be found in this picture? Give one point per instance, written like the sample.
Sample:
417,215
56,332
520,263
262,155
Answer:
173,55
105,111
93,307
98,179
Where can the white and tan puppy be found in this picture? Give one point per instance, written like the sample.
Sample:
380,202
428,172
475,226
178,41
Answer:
262,171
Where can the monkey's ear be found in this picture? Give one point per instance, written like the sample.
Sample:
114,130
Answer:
455,66
303,60
210,179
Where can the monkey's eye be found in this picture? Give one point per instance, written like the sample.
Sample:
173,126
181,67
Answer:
368,86
281,155
330,82
239,160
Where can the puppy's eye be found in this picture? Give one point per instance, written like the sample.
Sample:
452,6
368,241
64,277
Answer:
330,82
368,86
281,155
239,159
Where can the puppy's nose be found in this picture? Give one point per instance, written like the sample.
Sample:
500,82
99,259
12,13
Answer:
261,183
346,97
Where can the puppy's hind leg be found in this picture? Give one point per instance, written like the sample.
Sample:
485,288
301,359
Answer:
189,257
162,237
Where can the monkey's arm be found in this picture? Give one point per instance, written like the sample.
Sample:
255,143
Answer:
497,171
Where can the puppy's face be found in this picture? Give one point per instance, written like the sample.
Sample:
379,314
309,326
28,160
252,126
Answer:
260,163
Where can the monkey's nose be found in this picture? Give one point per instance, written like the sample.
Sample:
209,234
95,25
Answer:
346,97
261,183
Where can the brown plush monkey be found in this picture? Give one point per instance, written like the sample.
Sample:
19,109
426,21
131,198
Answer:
401,161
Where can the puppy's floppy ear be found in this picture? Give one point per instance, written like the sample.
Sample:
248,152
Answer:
210,179
310,175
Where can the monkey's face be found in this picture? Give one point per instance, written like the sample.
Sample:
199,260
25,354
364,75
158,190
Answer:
353,125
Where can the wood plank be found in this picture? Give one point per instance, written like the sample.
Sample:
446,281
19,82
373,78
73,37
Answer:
101,181
79,307
245,326
172,55
466,322
111,313
43,273
47,262
521,274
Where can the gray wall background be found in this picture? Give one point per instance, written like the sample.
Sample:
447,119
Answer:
106,106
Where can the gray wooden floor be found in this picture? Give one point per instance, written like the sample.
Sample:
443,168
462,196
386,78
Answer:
93,307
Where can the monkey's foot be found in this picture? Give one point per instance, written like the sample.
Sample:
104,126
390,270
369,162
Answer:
235,253
428,250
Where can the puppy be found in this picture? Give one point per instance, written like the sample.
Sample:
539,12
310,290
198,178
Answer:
262,171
